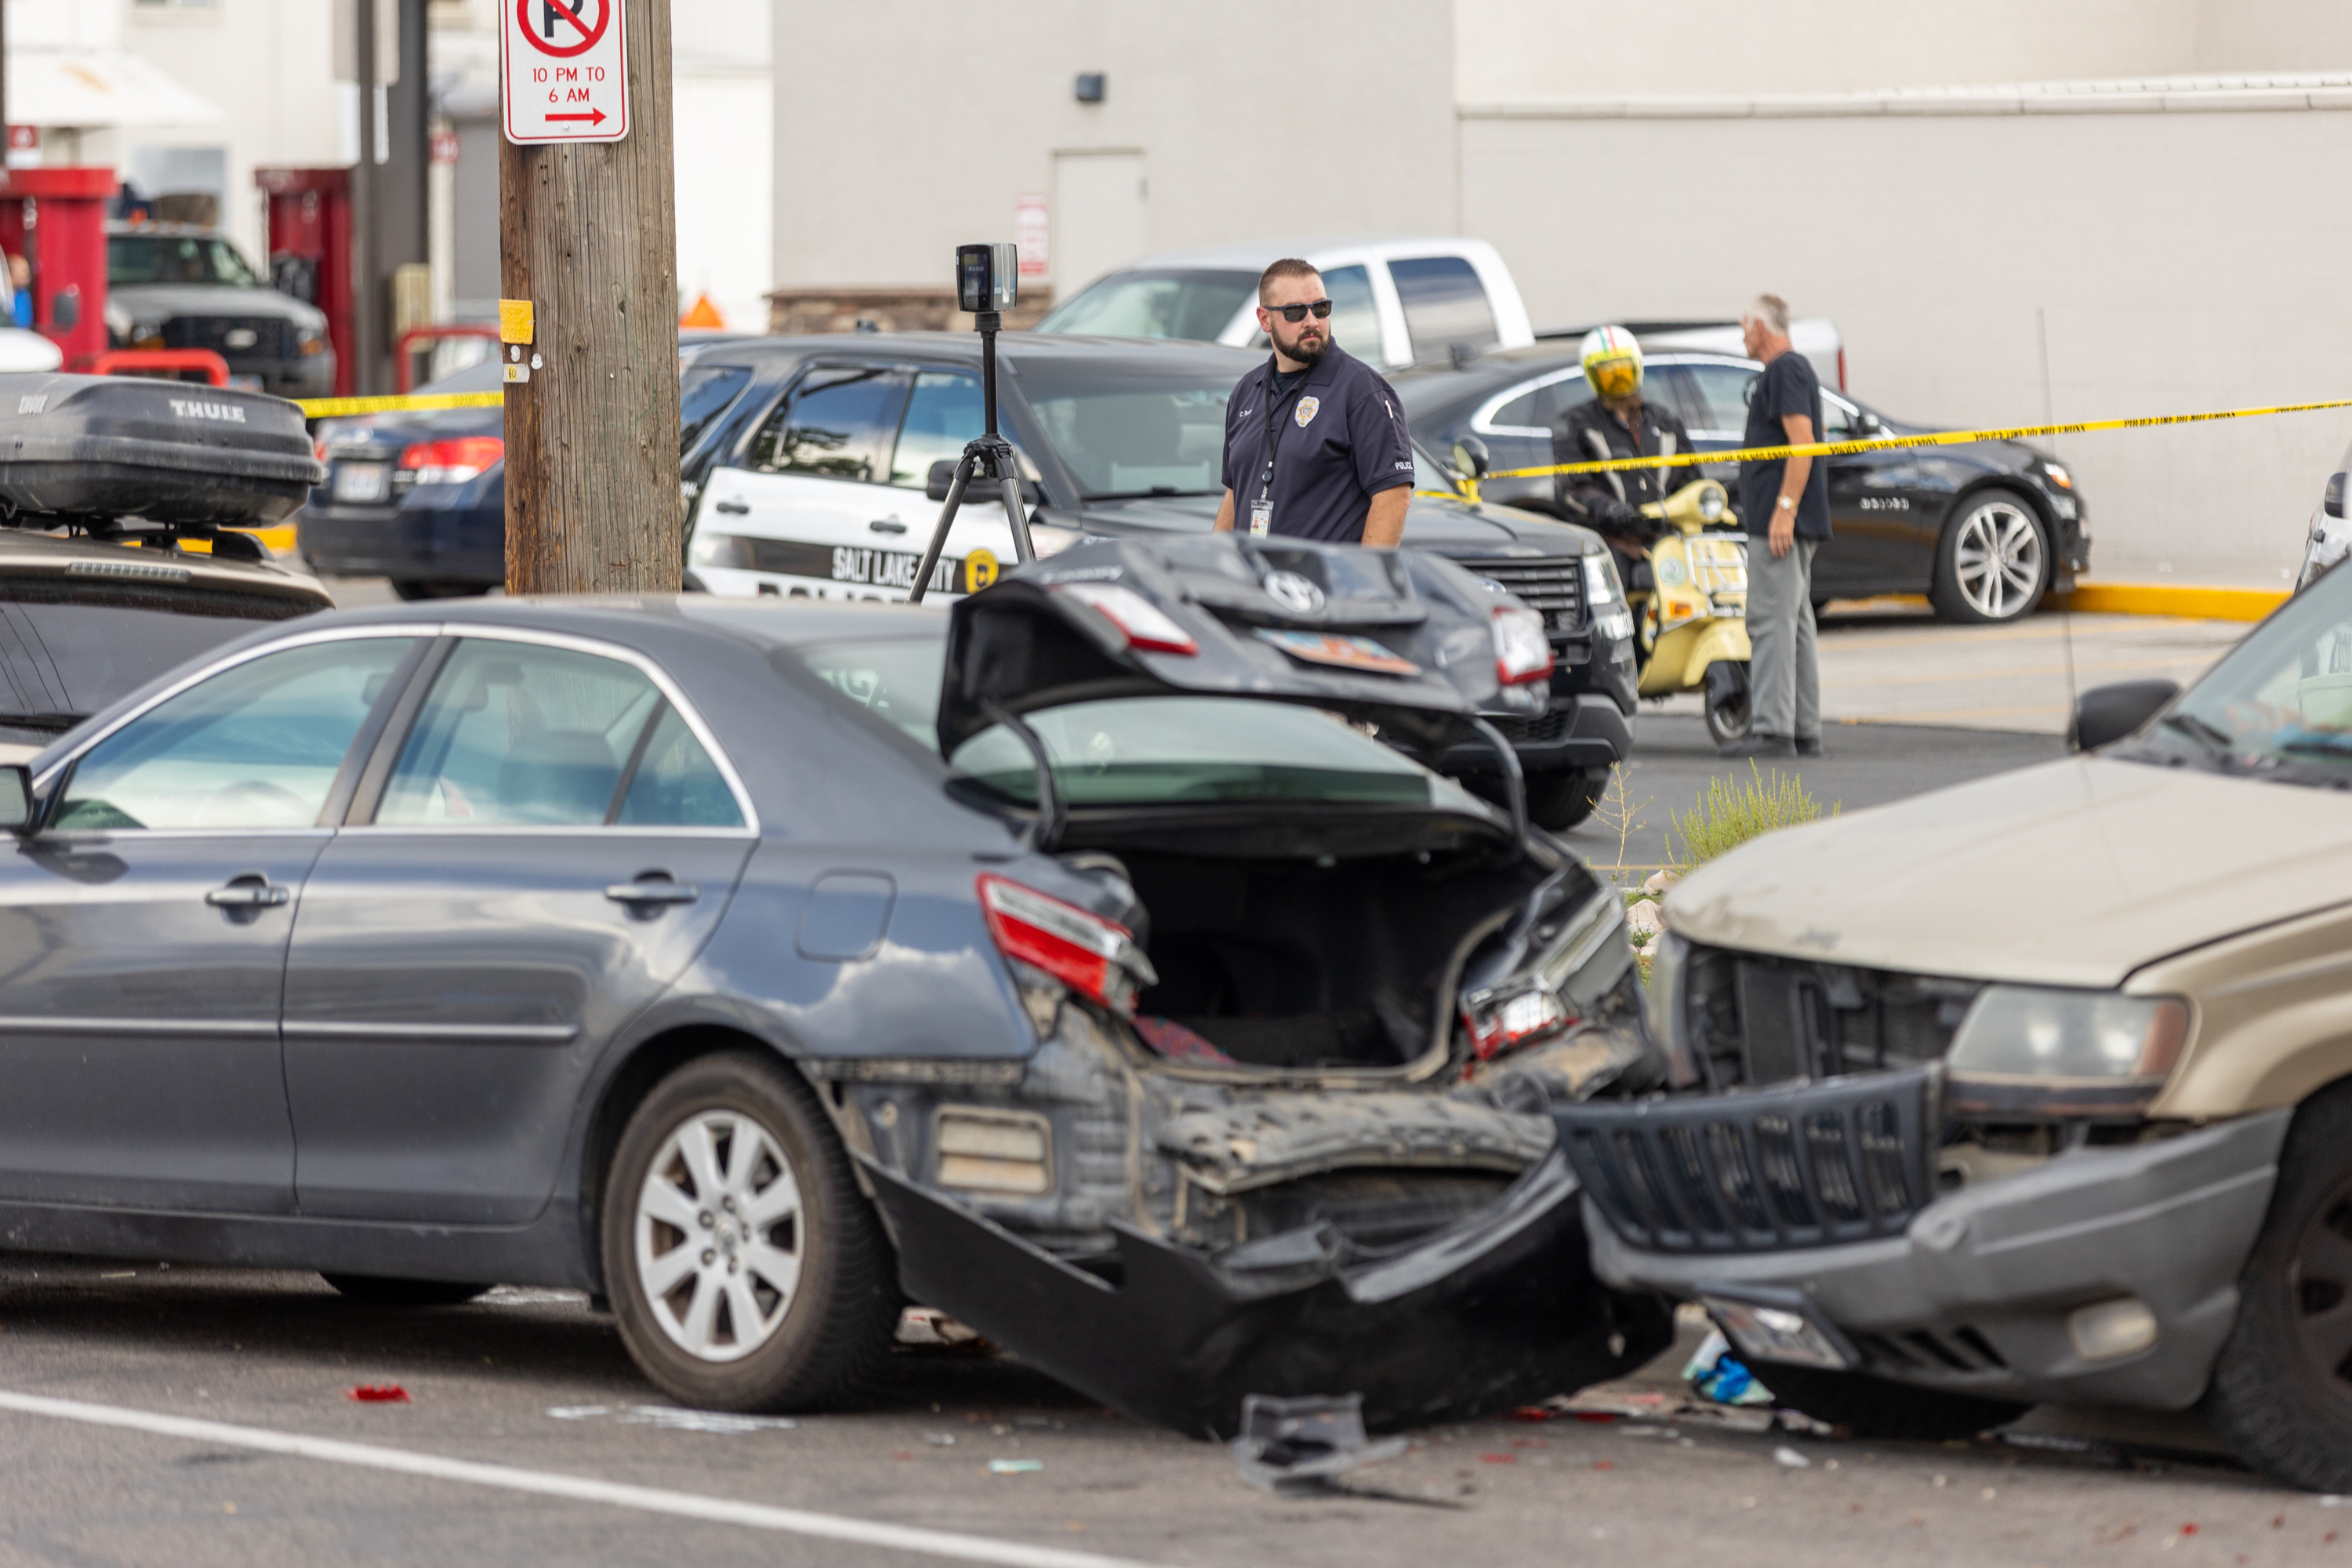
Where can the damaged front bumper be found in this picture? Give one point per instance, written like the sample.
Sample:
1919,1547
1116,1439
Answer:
1496,1310
1981,1291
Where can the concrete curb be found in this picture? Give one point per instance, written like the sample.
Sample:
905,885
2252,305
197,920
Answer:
2182,600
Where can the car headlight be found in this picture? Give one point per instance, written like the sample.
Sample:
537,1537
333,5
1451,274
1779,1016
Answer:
2057,475
309,340
1665,1009
1611,618
2028,1050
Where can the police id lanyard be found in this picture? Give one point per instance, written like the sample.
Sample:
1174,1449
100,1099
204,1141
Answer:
1262,509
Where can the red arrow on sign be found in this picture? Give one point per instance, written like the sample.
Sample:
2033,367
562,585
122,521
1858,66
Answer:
595,119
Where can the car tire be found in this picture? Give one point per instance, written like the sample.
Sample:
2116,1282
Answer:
740,1140
414,588
1874,1407
1993,561
1559,801
2281,1394
375,1290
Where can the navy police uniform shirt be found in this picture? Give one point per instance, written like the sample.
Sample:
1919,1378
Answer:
1337,438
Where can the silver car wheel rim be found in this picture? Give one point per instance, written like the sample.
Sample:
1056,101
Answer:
719,1236
1998,560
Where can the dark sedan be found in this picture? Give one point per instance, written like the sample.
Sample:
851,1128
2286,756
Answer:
1985,531
822,476
1072,963
420,497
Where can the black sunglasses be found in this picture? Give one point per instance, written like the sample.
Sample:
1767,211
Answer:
1321,308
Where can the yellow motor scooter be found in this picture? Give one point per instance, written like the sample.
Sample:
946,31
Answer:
1690,627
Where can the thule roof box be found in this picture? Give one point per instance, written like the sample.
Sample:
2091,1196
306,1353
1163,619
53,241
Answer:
95,449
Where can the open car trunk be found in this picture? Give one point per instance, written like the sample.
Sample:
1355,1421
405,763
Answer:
1299,1153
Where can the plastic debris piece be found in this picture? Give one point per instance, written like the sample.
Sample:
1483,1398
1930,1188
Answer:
1533,1413
1015,1466
1784,1455
1304,1445
1603,1465
939,1439
1722,1378
379,1394
1597,1415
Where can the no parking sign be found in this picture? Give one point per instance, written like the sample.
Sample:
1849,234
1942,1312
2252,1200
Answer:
563,71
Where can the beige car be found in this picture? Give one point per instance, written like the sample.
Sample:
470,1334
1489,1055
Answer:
2037,1088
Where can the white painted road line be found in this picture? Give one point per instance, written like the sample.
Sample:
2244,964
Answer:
580,1489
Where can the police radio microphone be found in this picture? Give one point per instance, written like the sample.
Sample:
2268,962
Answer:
988,284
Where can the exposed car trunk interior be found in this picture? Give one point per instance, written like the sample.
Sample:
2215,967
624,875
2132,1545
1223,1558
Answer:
1301,963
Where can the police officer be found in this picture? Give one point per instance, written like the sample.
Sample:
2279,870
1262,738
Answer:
1314,445
1618,422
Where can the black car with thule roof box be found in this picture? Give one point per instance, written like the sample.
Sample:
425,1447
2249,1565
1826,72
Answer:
821,463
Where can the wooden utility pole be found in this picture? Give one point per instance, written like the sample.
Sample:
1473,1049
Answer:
588,235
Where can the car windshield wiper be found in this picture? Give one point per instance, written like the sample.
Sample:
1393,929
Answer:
1154,493
2338,746
2218,743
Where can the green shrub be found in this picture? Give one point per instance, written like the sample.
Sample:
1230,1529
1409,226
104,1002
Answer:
1732,812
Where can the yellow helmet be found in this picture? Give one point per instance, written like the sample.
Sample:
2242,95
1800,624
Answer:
1613,362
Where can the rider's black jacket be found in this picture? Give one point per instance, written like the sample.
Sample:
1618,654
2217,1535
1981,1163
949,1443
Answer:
1589,431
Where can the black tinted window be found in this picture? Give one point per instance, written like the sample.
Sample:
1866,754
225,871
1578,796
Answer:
1156,303
1444,304
135,259
837,421
704,393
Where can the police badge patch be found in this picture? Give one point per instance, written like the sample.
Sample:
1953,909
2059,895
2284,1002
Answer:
1307,408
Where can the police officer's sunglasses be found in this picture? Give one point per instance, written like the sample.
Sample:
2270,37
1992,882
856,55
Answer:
1321,308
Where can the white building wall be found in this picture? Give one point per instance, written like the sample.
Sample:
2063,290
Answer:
723,130
2177,261
907,127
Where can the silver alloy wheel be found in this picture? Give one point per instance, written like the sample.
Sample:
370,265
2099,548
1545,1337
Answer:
719,1236
1997,559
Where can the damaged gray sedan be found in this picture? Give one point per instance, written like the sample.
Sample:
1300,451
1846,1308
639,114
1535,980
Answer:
1097,963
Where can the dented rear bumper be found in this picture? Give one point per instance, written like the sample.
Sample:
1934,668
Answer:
1497,1310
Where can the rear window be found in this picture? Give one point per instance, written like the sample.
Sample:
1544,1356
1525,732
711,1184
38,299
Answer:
1136,751
1156,303
68,649
1127,431
1444,305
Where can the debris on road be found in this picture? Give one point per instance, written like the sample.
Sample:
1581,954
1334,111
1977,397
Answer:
379,1394
1718,1376
1784,1455
672,1420
1015,1466
1294,1446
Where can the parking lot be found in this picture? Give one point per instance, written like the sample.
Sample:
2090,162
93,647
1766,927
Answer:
533,1381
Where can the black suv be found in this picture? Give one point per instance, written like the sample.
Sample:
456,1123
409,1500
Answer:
173,285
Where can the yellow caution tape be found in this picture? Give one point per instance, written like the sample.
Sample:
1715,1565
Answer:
1894,443
396,403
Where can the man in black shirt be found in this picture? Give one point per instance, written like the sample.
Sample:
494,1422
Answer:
1785,505
1315,444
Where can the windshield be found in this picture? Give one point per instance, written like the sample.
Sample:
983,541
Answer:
1428,479
134,258
1126,431
2280,705
1156,303
1139,750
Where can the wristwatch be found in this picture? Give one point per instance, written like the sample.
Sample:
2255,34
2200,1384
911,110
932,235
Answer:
1786,504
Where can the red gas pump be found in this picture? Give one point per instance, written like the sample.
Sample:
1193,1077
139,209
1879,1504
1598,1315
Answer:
65,243
310,251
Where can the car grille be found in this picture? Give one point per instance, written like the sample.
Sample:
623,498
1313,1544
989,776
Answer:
1541,731
1752,1019
1760,1170
1551,583
271,337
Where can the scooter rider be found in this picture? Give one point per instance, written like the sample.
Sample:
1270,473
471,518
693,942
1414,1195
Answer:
1618,423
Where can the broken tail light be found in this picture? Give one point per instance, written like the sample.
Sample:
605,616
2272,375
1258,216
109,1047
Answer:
1095,957
1147,628
1500,1023
1522,652
452,461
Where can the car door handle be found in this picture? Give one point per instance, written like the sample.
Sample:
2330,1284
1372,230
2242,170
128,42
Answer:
663,892
732,507
250,894
887,525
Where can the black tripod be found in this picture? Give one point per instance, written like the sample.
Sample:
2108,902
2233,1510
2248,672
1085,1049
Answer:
988,456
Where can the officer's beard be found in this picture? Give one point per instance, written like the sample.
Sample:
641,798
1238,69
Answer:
1309,347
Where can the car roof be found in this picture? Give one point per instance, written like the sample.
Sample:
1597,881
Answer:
1257,255
631,618
1019,348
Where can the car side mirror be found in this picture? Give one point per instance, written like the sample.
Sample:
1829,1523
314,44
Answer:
1472,459
1869,424
941,475
16,798
2105,714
